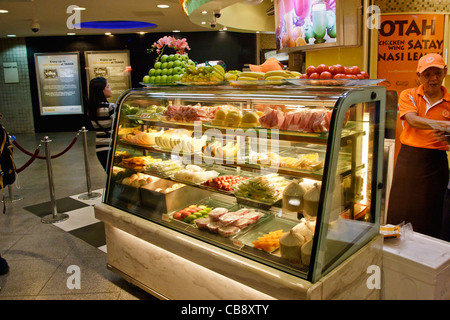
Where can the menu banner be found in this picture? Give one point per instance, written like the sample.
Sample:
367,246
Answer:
114,66
59,85
402,40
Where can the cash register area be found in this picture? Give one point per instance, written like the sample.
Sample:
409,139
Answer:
42,257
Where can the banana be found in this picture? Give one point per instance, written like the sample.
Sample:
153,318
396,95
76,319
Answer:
274,78
219,69
280,73
252,74
247,78
295,74
231,76
215,76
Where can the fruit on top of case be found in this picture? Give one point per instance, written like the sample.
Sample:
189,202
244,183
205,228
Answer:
268,65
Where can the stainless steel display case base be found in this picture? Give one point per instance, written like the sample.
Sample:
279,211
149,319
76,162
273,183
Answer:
176,266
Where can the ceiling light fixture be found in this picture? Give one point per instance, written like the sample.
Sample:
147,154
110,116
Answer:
71,33
163,6
204,12
3,11
11,35
79,9
176,31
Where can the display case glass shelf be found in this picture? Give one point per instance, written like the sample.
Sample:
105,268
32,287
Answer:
289,176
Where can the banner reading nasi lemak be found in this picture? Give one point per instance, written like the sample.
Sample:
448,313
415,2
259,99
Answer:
402,40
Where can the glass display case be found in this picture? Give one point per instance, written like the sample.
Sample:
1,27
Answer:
289,176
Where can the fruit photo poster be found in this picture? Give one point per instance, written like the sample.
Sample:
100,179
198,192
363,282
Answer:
402,40
114,65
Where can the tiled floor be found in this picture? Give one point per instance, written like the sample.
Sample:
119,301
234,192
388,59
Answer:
39,254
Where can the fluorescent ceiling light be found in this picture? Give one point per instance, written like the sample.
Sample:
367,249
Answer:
3,11
163,6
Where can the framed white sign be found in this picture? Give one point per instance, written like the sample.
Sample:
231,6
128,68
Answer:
59,83
114,66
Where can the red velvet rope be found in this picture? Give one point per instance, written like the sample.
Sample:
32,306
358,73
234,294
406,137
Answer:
34,156
43,158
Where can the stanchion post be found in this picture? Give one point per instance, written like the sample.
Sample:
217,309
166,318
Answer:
11,197
89,195
54,216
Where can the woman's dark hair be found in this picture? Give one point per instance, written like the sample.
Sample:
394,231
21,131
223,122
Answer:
96,95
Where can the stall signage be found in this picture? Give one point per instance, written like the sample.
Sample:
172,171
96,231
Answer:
59,85
402,40
112,65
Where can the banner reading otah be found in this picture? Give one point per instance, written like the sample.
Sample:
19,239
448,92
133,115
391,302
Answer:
402,40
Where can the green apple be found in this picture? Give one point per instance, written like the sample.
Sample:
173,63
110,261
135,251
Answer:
169,78
170,58
164,78
177,70
152,79
190,63
164,72
184,57
158,64
177,56
164,58
176,63
169,64
176,77
157,79
151,72
169,71
146,79
158,72
164,65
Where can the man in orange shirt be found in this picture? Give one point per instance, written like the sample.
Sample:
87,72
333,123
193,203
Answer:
421,173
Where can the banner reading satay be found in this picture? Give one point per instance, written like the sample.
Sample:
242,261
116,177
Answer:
402,40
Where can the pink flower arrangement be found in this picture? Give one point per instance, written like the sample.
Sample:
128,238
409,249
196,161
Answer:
179,45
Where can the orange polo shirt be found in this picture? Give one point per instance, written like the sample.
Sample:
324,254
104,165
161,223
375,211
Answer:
412,100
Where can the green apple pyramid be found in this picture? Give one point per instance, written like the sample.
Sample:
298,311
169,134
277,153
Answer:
168,70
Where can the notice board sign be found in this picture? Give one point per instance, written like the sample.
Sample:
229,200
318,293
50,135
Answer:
402,40
59,83
114,66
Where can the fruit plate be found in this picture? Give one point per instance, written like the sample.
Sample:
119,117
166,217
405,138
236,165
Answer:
335,82
133,117
269,225
209,202
137,144
203,83
148,85
246,83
